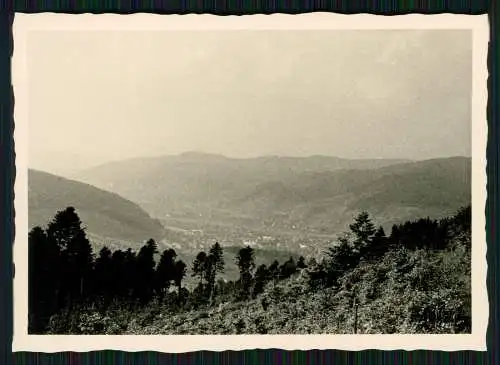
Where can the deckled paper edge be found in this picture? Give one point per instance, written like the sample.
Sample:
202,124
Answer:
24,23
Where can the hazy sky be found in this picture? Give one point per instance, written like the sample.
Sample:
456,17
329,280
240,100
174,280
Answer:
99,96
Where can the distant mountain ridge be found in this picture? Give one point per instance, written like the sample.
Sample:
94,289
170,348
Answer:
105,214
198,176
313,162
316,193
391,194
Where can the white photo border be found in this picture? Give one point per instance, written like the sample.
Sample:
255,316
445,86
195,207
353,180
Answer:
24,23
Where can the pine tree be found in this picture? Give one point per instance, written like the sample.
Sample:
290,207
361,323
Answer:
395,237
216,256
363,231
463,219
288,268
215,265
246,264
66,231
64,227
128,273
301,264
340,259
262,277
165,271
103,275
43,279
274,271
199,268
145,265
179,274
379,246
317,274
123,273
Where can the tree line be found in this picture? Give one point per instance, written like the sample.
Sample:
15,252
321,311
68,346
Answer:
64,272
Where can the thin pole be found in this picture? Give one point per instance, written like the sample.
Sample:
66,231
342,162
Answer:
355,316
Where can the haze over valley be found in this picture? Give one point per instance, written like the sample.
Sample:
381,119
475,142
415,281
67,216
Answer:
267,111
289,205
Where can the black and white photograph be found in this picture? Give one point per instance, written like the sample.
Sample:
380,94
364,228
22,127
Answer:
251,180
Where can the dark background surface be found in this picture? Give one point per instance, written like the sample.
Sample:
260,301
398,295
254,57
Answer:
220,7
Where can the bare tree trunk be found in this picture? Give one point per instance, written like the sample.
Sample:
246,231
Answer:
355,304
211,296
179,287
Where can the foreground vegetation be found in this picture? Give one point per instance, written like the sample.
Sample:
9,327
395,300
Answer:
415,280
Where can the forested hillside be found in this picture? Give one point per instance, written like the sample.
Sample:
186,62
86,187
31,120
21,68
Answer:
108,217
416,279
